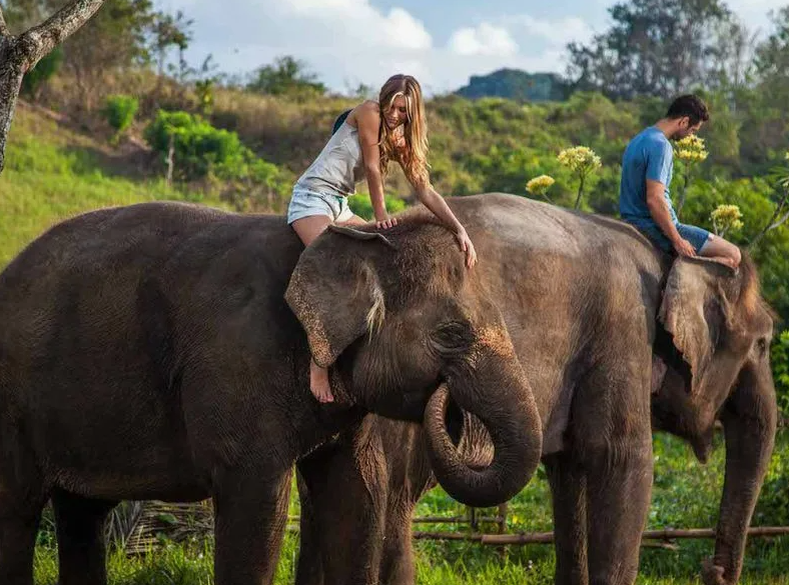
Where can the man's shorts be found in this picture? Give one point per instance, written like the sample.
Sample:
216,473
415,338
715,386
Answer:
305,203
695,235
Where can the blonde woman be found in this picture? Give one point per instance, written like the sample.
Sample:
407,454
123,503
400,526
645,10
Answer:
372,134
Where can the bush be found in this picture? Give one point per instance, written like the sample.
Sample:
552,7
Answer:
361,205
780,364
119,111
41,73
201,149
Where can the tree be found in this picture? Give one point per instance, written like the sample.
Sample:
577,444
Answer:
288,76
654,47
169,30
20,53
115,39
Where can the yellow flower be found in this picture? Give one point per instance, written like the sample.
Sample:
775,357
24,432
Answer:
579,159
539,185
691,149
726,218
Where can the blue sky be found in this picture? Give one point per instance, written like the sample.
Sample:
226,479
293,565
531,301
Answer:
441,42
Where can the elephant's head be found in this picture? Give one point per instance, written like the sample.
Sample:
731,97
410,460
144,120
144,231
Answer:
721,328
398,316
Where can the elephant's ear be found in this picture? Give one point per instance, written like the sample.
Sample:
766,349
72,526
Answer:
337,297
693,312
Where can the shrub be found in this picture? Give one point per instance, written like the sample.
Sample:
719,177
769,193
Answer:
780,364
201,149
35,78
119,111
361,205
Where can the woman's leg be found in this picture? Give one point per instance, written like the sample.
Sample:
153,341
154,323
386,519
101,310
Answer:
354,220
309,228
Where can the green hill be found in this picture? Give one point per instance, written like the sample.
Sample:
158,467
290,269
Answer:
516,85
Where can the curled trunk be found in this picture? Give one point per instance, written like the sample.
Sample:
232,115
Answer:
500,397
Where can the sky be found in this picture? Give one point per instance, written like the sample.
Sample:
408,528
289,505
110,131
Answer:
441,42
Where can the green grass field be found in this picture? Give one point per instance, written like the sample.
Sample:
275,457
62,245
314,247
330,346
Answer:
685,495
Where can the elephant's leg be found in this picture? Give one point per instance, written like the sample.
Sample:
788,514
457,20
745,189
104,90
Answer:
309,569
19,518
614,444
23,494
568,492
345,522
397,566
250,508
80,530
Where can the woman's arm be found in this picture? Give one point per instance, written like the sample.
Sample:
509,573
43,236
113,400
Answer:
435,203
368,121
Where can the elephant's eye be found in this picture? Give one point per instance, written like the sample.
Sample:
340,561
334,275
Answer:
452,336
761,344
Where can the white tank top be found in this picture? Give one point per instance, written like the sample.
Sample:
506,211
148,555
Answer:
338,167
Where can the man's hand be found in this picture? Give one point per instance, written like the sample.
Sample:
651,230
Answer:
684,248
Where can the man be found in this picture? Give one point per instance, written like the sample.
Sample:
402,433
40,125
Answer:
644,201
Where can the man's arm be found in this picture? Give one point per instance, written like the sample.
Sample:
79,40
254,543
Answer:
658,208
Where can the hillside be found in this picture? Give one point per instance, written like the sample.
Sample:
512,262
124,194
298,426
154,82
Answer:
516,84
55,171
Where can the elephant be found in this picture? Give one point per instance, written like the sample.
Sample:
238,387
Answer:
161,351
617,339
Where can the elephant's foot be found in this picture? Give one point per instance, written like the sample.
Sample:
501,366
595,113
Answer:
712,574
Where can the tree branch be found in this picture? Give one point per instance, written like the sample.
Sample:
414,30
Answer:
19,54
774,221
3,26
41,39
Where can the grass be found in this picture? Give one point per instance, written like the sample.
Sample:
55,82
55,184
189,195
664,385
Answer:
685,495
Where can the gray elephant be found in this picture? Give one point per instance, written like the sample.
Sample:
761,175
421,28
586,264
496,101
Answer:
147,352
613,336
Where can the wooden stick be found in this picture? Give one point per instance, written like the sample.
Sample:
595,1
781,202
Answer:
547,537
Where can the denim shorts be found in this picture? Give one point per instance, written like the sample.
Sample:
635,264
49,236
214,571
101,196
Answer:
306,203
695,235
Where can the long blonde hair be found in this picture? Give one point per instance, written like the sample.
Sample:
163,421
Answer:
413,159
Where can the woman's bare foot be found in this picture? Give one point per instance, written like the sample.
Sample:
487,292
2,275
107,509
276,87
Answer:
319,383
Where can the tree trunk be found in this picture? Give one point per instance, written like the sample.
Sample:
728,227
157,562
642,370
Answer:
11,73
19,53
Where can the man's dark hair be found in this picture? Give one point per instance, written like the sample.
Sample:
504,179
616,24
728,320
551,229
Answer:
691,106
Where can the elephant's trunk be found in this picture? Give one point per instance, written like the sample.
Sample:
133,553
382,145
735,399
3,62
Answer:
496,391
749,421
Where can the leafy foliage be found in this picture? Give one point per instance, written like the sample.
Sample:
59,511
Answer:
201,149
287,76
34,79
654,47
780,365
119,111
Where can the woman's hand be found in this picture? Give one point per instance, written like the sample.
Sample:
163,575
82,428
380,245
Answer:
386,223
467,246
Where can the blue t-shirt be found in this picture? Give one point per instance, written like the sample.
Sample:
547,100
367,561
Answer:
648,156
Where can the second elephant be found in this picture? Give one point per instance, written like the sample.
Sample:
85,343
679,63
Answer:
617,340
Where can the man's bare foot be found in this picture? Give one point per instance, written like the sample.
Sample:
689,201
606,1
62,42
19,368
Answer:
319,383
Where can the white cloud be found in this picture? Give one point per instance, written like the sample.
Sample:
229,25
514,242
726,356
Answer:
556,32
485,39
358,19
348,42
